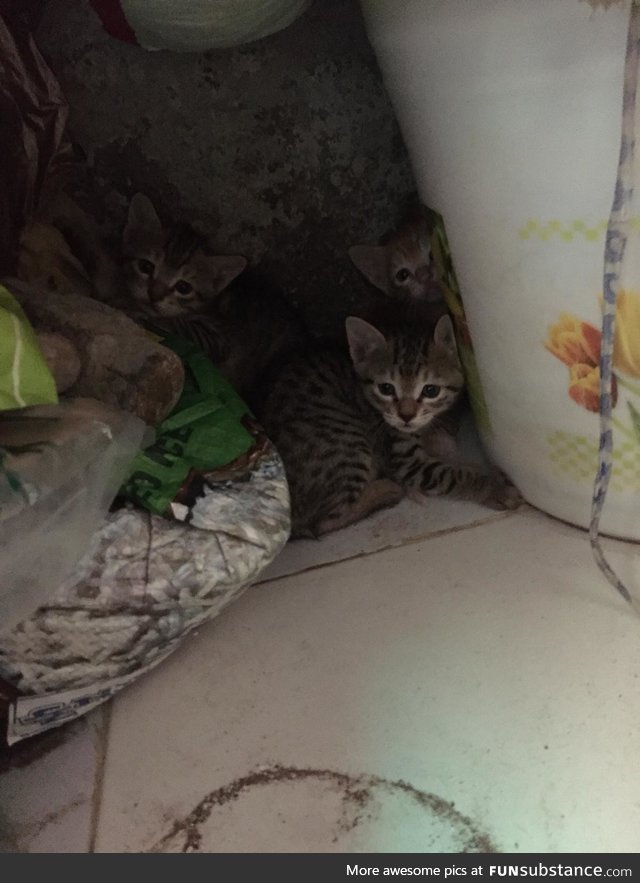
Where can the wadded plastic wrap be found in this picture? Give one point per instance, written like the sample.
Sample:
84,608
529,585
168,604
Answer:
60,468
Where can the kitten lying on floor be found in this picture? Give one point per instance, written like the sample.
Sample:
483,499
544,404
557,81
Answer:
349,427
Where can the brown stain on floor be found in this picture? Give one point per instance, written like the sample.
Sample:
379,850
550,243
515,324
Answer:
357,797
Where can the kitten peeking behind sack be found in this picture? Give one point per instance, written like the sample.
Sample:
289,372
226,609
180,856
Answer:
182,286
403,266
171,272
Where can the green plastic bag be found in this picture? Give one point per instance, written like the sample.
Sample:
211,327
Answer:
203,433
25,378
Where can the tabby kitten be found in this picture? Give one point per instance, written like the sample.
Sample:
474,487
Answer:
403,266
179,284
171,272
250,328
349,429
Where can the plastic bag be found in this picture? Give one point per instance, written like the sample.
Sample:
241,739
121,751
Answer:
204,431
60,468
37,155
25,378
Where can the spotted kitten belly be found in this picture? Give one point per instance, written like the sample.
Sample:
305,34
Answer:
331,443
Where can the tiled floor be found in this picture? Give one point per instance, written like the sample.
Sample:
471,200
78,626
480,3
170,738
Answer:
434,679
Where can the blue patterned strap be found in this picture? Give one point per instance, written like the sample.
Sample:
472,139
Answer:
615,245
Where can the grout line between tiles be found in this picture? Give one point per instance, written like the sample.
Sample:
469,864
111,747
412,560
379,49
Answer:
98,784
410,541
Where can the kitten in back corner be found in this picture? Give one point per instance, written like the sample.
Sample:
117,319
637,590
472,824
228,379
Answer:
402,266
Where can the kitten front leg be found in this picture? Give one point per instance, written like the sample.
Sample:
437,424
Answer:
423,475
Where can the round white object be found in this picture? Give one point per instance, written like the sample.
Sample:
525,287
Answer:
197,25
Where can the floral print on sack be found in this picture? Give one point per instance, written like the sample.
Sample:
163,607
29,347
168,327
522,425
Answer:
577,344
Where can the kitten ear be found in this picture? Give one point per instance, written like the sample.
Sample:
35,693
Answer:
141,220
371,260
225,268
443,334
363,339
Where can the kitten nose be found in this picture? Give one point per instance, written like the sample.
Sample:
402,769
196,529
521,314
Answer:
157,292
407,410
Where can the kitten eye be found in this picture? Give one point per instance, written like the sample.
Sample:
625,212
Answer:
146,267
183,287
430,391
402,275
387,389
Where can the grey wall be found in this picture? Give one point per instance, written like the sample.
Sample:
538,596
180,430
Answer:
285,150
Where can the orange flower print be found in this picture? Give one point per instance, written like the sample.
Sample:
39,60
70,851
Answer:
584,386
577,344
626,351
573,341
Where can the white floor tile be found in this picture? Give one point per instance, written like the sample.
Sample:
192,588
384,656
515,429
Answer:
344,708
47,805
405,523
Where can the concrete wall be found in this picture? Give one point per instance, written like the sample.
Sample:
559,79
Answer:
285,150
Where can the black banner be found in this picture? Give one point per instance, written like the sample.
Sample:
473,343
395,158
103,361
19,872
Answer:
333,868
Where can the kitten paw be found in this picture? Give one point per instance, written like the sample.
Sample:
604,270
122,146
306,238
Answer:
416,496
503,495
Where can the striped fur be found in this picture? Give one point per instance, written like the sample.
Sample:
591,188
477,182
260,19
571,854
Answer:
350,445
243,331
170,271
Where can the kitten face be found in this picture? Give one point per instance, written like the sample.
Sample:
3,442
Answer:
410,379
410,266
404,266
170,272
